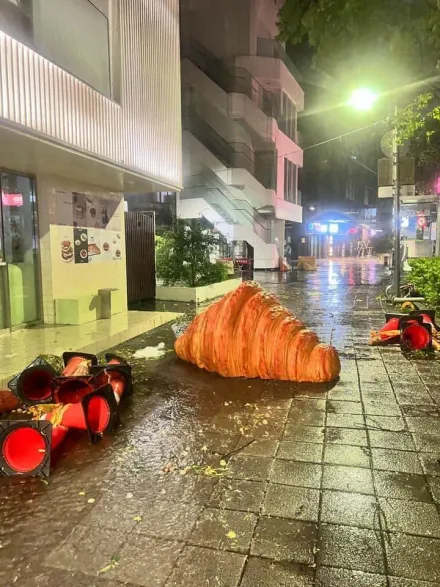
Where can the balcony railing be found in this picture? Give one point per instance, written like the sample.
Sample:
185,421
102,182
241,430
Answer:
273,48
230,79
232,155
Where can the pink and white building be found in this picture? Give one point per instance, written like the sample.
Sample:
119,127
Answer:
240,143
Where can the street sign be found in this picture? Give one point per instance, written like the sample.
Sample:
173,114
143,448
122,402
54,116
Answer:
386,144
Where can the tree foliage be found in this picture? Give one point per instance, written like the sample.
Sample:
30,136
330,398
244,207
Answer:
183,256
390,45
425,275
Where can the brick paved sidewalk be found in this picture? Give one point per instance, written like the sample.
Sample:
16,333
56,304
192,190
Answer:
340,487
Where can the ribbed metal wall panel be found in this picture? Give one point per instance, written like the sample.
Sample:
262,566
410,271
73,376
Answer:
151,86
143,132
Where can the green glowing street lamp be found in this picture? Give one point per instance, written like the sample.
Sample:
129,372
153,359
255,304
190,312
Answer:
363,99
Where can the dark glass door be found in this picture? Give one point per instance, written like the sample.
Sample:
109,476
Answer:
19,250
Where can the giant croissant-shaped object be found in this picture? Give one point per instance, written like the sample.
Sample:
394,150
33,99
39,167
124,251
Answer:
249,334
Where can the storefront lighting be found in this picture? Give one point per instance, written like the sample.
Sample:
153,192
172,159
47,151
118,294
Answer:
324,228
333,228
405,222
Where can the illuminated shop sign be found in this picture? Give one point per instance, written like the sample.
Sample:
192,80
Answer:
321,228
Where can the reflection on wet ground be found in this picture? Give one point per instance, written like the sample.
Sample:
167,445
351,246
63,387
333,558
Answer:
339,488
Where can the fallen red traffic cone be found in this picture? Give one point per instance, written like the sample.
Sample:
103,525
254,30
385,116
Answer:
26,446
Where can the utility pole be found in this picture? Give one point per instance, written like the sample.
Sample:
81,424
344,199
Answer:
397,221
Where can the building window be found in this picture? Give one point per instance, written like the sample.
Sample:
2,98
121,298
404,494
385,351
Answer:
16,20
287,120
73,34
290,181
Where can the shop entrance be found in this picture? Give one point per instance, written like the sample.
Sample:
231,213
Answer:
18,251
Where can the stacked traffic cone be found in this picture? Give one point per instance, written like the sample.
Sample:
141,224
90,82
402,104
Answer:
85,396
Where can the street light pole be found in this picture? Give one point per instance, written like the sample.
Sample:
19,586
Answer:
397,221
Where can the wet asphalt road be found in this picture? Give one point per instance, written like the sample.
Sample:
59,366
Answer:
340,488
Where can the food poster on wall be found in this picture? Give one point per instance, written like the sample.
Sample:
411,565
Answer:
89,227
80,237
116,246
65,244
94,245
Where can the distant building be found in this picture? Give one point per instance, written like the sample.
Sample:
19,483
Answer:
340,175
241,97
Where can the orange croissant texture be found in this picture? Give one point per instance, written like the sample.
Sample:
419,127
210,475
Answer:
248,333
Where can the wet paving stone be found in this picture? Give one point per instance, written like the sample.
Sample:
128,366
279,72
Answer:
351,479
238,495
249,468
430,464
286,501
351,548
162,556
296,473
396,460
259,448
344,407
381,408
396,440
304,434
400,582
347,436
308,404
350,509
424,425
224,529
414,557
426,442
285,540
267,573
329,577
300,451
410,517
401,486
345,421
158,517
305,417
354,456
55,577
203,567
87,549
385,423
434,486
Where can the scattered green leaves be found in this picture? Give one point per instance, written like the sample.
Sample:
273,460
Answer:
114,562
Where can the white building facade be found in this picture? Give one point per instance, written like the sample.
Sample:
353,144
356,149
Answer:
89,109
240,143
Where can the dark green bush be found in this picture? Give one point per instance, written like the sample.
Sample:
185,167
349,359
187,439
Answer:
183,256
425,276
